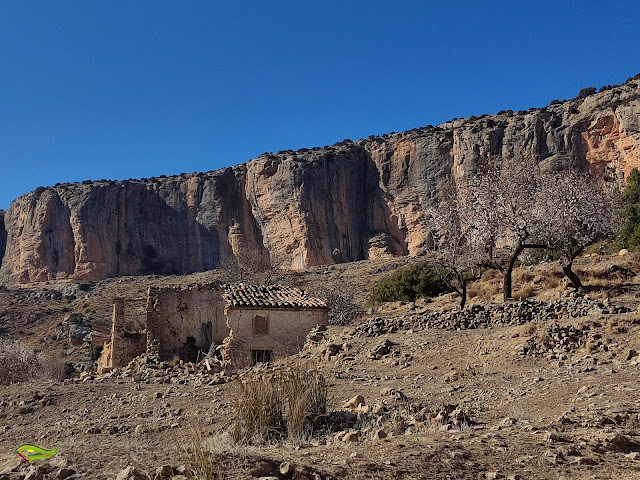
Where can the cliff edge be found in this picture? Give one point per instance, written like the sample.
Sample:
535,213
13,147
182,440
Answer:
346,202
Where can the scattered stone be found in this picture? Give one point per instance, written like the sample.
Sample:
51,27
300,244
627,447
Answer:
64,473
380,434
622,443
489,315
351,437
286,468
164,472
131,473
382,350
354,402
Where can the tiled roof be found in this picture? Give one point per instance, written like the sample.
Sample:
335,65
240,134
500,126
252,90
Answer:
270,296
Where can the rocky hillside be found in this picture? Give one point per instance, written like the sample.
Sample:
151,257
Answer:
350,201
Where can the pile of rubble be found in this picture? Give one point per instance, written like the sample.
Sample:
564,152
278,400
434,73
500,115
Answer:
489,315
148,369
395,415
554,340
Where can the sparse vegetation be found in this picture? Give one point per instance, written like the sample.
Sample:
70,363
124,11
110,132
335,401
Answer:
408,283
293,404
629,235
585,92
343,308
18,364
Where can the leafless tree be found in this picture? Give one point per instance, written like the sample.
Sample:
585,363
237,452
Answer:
250,267
343,307
454,251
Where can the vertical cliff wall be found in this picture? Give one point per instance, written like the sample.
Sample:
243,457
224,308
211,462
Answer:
3,236
349,201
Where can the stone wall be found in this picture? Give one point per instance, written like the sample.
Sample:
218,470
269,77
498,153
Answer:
123,345
185,320
287,331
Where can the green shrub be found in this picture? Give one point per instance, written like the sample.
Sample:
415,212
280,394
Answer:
629,235
94,352
408,283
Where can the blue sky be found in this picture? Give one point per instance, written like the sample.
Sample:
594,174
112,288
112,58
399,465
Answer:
127,89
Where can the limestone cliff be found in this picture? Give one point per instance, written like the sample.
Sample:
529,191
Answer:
3,235
349,201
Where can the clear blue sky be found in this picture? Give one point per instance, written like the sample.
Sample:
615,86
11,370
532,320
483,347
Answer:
126,89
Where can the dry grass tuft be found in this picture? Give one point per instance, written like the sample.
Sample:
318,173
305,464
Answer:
295,403
525,291
202,463
258,411
307,402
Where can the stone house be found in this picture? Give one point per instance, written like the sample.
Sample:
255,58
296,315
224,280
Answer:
270,321
255,324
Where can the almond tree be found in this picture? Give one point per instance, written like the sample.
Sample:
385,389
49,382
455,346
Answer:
454,253
519,207
512,206
587,216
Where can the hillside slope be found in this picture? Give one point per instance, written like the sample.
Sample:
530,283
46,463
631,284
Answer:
350,201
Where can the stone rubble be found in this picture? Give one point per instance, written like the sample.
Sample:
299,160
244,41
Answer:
490,315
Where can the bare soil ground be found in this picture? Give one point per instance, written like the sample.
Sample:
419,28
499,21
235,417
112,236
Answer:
568,409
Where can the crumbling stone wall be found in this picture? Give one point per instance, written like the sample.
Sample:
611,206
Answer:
184,320
287,329
123,345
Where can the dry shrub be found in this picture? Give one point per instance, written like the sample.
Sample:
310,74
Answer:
295,403
491,275
542,338
258,411
202,463
307,402
524,291
175,361
18,364
59,369
484,291
529,328
525,276
590,346
615,325
551,281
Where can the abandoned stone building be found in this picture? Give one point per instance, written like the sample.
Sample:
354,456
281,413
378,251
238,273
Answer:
255,323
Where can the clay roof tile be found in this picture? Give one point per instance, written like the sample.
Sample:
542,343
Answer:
270,296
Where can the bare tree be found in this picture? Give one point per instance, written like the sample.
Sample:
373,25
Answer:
343,307
249,267
455,253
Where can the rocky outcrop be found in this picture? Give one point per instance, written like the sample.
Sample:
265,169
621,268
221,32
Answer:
3,235
340,203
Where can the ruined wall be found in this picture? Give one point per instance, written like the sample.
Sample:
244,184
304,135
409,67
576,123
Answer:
287,331
184,320
123,345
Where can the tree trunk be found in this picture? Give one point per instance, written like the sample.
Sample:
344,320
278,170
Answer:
463,293
567,268
507,284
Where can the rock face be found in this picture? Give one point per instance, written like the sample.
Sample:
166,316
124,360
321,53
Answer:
3,236
346,202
